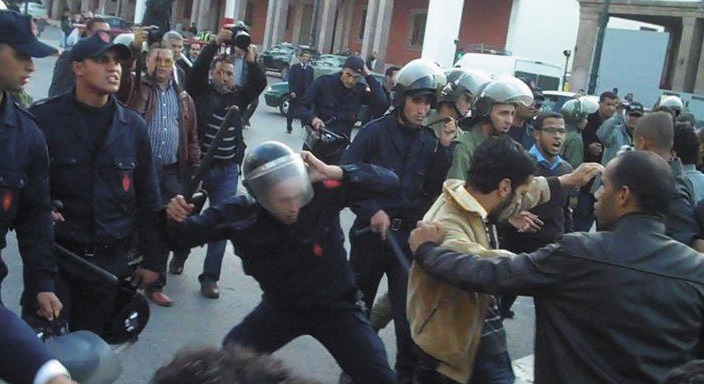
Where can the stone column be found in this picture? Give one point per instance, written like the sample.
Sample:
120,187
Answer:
381,35
230,9
326,25
344,24
270,28
203,20
195,7
699,81
370,28
442,27
687,59
139,8
57,9
584,48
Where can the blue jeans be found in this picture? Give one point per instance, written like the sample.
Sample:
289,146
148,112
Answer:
340,327
221,184
495,369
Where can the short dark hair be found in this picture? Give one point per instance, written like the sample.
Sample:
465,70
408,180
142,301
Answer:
498,159
686,143
648,177
232,364
390,71
690,373
540,118
657,129
94,20
607,95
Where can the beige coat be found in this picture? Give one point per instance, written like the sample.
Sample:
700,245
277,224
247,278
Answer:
446,321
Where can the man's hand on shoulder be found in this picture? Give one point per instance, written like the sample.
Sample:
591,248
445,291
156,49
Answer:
426,232
581,176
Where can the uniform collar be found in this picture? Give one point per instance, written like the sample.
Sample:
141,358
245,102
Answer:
9,113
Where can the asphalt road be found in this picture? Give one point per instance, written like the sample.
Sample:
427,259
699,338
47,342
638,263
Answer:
195,321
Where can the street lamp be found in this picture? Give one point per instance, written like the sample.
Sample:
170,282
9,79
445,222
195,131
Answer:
567,53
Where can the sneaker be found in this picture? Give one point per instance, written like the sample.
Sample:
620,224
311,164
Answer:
209,289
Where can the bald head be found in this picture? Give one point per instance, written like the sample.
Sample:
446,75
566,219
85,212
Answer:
654,132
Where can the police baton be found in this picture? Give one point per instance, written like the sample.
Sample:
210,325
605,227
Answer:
393,244
85,264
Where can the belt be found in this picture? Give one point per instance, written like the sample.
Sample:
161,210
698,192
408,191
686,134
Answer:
170,166
92,249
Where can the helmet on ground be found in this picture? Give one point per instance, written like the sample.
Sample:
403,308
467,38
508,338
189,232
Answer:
502,90
130,318
673,102
417,78
271,163
462,82
573,111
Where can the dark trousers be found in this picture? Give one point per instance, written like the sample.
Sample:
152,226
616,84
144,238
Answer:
290,114
249,112
495,369
169,186
88,300
341,327
371,258
584,213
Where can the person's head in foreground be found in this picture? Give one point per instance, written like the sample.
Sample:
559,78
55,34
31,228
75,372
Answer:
633,182
233,364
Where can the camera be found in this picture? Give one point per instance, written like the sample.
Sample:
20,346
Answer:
155,35
240,36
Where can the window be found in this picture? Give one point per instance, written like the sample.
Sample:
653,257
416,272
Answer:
418,19
248,12
363,24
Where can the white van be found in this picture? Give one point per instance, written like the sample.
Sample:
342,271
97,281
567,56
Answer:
546,76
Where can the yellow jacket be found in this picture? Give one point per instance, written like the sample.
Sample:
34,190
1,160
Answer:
446,321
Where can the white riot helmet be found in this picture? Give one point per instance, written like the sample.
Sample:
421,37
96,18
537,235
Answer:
502,90
418,77
270,164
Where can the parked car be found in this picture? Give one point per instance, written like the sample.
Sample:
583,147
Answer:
276,95
327,64
280,57
3,6
34,9
117,24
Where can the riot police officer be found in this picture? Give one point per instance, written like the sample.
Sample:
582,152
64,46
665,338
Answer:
492,115
575,113
456,97
400,142
101,168
333,102
291,242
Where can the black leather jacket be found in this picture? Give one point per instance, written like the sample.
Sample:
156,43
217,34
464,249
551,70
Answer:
624,306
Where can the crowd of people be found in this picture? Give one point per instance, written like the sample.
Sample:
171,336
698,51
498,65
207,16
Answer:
466,192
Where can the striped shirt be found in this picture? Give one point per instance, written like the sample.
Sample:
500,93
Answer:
162,126
228,149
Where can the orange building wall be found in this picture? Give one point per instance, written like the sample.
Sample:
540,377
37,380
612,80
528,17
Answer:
485,22
256,32
398,51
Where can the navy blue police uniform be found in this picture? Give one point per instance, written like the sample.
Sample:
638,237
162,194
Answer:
339,106
421,164
299,80
106,179
302,268
24,194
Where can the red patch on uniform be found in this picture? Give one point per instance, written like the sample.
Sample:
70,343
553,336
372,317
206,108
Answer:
330,183
126,182
7,201
317,250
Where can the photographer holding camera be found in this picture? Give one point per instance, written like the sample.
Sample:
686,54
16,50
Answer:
212,99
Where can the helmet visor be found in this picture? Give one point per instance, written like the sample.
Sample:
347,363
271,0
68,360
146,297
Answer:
282,186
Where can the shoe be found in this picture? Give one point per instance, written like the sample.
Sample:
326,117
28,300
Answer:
209,289
176,265
159,298
289,130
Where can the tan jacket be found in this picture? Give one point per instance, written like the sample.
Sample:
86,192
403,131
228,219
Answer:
446,321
